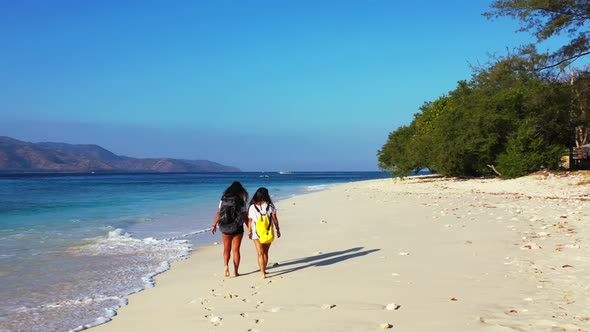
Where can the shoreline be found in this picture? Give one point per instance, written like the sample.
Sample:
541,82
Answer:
150,278
104,245
465,254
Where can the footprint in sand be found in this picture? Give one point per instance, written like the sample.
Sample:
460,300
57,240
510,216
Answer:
215,294
259,304
243,314
385,326
215,320
392,306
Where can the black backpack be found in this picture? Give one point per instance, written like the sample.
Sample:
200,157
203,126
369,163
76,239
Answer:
231,219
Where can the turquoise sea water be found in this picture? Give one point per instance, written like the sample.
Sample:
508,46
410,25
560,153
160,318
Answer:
72,247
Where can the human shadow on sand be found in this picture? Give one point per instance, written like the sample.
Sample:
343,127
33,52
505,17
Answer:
319,260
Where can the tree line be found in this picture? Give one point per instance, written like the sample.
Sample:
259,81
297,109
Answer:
519,113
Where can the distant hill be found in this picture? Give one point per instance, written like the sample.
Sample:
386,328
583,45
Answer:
19,156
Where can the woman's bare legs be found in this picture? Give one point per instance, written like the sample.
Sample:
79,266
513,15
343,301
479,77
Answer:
265,248
262,250
231,244
236,243
227,242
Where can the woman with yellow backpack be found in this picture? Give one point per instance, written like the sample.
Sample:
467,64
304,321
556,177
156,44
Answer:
262,216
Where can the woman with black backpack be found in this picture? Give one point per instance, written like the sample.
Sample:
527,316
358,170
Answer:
231,216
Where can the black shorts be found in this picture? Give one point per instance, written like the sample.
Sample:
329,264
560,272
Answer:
238,230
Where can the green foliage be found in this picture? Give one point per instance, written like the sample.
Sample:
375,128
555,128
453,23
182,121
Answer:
506,115
547,18
396,154
510,116
580,112
526,152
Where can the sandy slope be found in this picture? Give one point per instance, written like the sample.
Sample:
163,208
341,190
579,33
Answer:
428,254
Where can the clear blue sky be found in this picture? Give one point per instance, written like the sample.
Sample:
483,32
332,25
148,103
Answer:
261,85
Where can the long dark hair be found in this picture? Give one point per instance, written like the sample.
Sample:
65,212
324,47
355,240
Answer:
262,195
236,189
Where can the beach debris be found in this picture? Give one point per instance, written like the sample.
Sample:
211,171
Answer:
328,306
275,264
323,222
454,299
385,326
572,246
404,253
318,253
513,311
567,265
392,306
229,296
468,242
530,246
215,320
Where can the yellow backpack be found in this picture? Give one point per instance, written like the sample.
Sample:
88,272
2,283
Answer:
264,226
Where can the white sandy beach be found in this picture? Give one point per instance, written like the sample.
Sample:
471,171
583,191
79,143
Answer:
419,254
